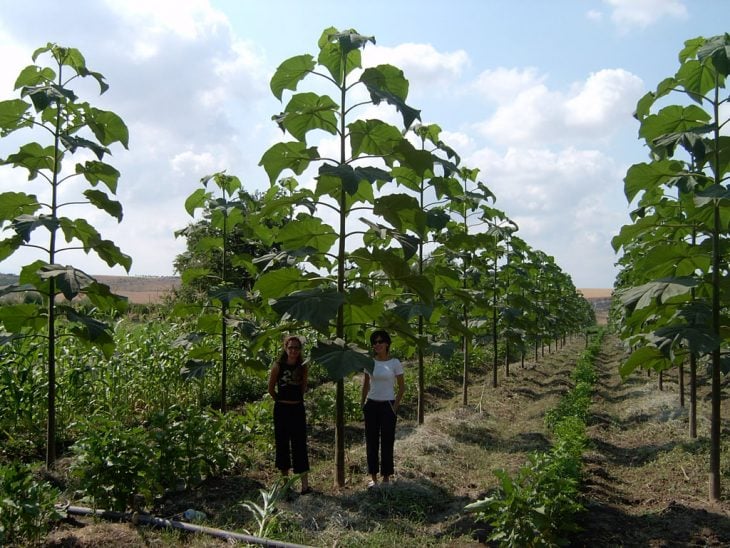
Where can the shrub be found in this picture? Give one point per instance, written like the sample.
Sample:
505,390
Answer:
27,506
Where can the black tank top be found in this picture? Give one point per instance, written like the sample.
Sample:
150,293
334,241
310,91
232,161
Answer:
290,381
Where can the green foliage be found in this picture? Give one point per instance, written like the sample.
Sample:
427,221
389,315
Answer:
115,462
193,444
266,513
322,400
27,506
537,507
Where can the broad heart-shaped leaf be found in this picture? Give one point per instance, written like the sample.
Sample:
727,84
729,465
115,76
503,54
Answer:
195,369
88,328
306,112
101,296
673,119
102,201
283,281
307,231
17,317
357,182
645,357
403,212
292,155
12,116
13,204
90,239
8,246
24,225
374,138
290,73
228,295
69,280
387,83
717,48
99,172
379,232
107,127
73,143
32,157
643,176
721,160
197,200
316,307
660,291
712,194
698,78
678,259
340,359
699,339
421,161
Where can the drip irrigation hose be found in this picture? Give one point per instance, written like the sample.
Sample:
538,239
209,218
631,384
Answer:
146,519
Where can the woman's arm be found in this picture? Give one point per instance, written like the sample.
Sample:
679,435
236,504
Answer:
273,377
365,388
399,379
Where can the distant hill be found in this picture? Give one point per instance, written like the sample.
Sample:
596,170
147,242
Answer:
138,289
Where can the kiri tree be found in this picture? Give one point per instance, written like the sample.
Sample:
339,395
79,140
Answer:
340,259
66,127
675,250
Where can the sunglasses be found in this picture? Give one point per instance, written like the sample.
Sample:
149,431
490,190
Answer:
294,347
379,341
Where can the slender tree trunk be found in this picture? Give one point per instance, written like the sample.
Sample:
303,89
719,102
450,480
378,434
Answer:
693,395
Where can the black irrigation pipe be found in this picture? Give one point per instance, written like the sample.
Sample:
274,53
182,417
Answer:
145,519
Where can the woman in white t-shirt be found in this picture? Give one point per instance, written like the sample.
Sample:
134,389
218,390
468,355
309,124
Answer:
380,403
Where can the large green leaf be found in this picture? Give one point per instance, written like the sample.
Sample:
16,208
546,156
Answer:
99,172
107,127
306,112
717,49
387,83
673,119
8,246
12,116
402,211
340,359
282,281
645,357
102,201
290,155
13,204
374,138
16,317
643,176
32,157
91,240
307,232
657,292
88,328
290,73
317,307
333,177
697,78
69,280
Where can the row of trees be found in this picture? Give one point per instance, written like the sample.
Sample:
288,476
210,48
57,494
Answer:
395,232
673,283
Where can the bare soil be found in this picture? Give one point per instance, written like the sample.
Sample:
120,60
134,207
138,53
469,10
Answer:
645,480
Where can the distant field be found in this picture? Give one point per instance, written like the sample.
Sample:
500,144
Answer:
151,289
141,289
596,293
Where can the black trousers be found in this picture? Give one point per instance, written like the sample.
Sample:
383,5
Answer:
380,420
290,435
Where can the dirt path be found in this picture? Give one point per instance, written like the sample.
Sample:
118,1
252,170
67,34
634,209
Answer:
646,480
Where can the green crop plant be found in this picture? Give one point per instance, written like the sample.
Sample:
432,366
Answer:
49,107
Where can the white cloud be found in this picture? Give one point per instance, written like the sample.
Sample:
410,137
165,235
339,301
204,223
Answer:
643,13
422,64
531,113
502,84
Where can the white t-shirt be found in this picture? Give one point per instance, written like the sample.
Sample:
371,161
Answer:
382,379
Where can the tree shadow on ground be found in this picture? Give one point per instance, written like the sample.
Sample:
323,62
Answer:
675,525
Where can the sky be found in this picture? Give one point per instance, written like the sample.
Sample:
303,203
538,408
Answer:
537,94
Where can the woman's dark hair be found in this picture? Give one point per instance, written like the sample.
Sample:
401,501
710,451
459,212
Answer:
284,356
380,334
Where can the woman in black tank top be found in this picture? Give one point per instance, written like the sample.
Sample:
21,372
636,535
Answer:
287,385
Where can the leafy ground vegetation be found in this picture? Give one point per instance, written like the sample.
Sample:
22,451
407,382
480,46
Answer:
644,480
